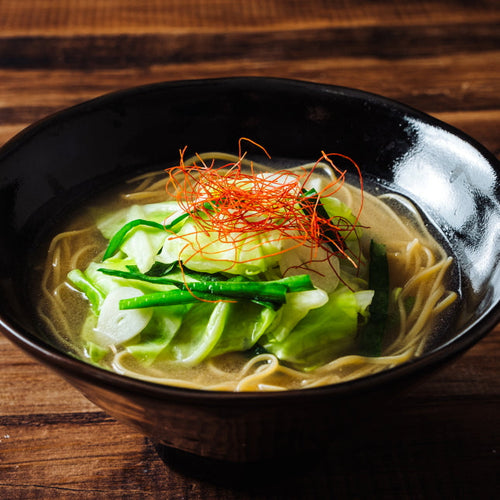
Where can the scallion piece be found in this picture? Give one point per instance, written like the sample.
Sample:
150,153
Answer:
298,283
372,334
268,293
117,240
170,298
311,204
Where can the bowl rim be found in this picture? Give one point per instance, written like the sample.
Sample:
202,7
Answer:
256,82
62,362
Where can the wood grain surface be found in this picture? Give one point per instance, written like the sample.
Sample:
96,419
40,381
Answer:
443,57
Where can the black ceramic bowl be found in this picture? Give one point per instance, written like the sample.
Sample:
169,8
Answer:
54,164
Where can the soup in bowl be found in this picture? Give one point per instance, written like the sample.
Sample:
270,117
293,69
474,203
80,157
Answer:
335,248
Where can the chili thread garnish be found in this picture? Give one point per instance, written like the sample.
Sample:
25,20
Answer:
239,204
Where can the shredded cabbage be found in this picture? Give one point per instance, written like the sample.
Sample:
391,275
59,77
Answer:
310,329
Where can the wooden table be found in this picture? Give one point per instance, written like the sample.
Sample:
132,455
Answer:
442,57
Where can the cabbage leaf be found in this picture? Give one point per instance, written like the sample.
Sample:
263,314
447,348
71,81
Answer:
324,334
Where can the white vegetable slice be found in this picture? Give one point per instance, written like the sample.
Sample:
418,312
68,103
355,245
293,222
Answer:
116,326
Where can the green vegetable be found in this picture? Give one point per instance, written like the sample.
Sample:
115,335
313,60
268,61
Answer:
209,330
313,205
138,240
341,215
95,352
157,269
324,334
200,331
372,334
172,297
158,334
297,306
193,306
120,236
94,295
205,251
110,223
245,325
268,291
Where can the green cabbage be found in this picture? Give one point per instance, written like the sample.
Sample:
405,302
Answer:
205,252
324,334
312,328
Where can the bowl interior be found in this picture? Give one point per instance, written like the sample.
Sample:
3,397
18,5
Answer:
54,165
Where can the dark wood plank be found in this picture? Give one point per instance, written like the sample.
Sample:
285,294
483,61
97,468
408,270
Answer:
28,388
47,17
125,51
445,84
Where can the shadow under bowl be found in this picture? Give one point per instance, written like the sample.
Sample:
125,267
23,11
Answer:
52,166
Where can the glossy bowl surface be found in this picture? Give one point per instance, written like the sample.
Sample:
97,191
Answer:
54,165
